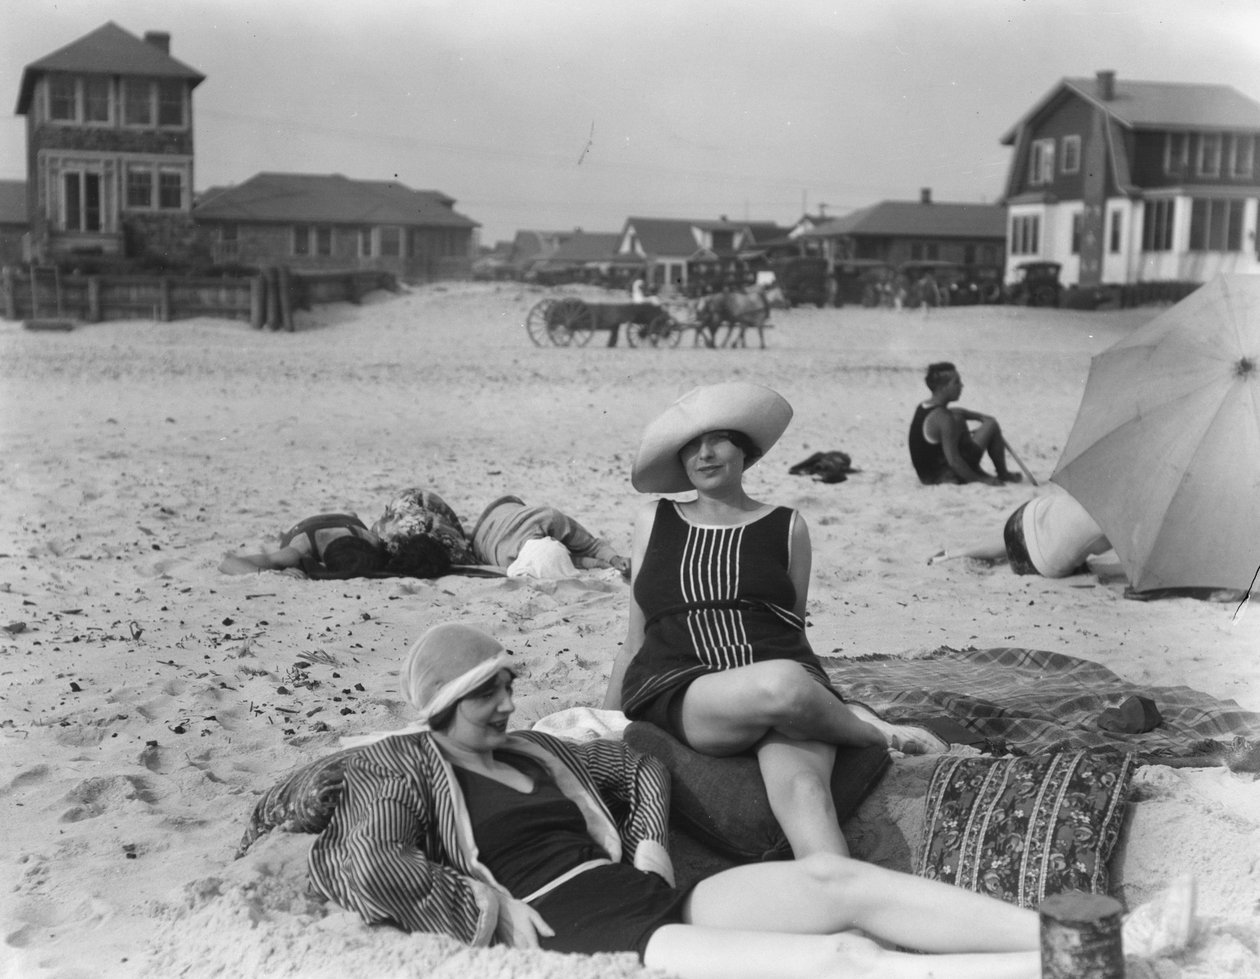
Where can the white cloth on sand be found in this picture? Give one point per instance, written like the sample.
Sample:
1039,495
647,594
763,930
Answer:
542,557
584,724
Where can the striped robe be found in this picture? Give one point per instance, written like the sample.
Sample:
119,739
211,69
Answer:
400,847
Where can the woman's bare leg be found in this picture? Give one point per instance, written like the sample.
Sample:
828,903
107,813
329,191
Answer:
728,712
797,776
708,953
825,894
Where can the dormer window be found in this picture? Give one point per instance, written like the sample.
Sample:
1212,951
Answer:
1177,153
1071,154
1041,162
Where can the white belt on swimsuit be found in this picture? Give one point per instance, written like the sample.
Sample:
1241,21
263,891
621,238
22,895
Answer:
568,875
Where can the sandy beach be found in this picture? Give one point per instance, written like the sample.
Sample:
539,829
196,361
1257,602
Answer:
148,699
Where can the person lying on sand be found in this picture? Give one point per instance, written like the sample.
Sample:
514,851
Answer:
1050,535
508,523
458,825
716,652
944,447
339,545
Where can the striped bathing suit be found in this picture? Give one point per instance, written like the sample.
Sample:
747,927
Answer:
713,599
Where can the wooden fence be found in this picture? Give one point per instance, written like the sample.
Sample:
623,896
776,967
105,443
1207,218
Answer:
47,296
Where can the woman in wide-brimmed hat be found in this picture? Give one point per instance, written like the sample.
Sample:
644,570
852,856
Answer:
716,652
458,825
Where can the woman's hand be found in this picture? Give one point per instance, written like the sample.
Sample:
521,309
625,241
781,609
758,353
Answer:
520,925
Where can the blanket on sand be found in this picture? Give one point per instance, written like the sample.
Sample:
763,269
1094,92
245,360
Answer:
1029,700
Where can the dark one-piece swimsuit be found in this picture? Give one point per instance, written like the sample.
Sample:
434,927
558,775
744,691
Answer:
529,839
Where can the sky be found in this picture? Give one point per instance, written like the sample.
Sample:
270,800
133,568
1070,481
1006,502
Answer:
558,114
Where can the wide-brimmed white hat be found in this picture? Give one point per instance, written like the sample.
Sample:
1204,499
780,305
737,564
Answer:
755,410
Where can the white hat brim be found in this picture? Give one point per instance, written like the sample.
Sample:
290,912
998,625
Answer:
757,411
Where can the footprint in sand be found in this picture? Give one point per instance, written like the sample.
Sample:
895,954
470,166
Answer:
95,796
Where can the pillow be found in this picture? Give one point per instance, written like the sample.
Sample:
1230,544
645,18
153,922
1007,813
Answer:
302,802
722,801
1020,829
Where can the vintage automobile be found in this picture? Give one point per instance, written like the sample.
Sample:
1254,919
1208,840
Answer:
803,279
934,283
1036,284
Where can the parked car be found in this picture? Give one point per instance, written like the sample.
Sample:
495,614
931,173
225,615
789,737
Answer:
861,281
983,283
803,279
1036,284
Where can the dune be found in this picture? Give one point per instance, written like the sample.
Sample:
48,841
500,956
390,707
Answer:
148,700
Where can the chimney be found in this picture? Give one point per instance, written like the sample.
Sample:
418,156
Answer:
1106,85
925,195
159,39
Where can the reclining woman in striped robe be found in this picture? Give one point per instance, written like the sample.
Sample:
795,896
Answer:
457,825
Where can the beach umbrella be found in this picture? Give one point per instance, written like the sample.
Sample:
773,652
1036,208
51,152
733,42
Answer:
1165,450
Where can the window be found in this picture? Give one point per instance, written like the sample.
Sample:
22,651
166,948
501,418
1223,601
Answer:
1078,226
323,240
170,189
391,241
137,103
1071,154
228,240
1041,165
301,239
1157,228
62,99
1210,155
1242,152
1113,234
81,201
170,101
1026,234
1215,225
96,99
140,187
988,254
365,242
1177,153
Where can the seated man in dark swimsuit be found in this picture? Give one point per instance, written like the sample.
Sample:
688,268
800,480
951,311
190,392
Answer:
944,448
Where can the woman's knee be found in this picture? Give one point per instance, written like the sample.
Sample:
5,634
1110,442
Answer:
784,689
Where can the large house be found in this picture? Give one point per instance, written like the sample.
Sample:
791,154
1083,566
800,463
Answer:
1127,182
678,253
109,137
906,231
328,221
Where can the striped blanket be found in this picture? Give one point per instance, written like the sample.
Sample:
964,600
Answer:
1025,701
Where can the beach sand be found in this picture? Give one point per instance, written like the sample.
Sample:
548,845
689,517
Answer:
148,699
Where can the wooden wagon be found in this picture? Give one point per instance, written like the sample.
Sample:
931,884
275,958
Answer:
570,321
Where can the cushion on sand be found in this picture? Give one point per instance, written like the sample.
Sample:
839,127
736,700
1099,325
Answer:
722,801
302,802
1020,829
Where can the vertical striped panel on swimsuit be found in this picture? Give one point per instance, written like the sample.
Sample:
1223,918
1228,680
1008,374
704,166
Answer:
709,572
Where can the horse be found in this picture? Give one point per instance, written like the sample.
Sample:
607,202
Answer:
738,312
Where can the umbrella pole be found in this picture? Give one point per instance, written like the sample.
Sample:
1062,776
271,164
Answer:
1020,462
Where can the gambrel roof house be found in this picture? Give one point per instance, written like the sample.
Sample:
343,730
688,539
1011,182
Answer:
331,221
1130,181
109,132
901,231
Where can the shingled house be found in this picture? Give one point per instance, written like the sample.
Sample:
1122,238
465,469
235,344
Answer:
328,221
1126,182
109,142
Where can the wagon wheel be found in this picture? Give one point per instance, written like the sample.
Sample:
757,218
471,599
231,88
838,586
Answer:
570,321
537,319
659,331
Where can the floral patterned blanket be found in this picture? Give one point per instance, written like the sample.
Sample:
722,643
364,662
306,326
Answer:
1026,701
